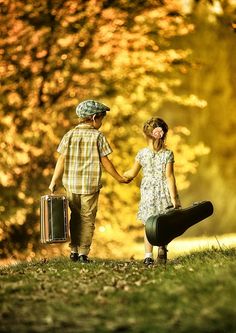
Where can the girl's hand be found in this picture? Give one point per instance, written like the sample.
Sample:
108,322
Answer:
127,175
133,172
124,180
177,206
176,203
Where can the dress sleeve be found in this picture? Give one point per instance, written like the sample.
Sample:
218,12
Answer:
139,157
170,157
103,146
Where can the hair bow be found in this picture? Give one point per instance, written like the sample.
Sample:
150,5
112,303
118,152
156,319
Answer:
158,133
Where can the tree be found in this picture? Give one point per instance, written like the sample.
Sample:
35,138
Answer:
56,53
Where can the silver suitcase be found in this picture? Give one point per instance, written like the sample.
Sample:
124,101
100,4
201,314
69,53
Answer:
53,219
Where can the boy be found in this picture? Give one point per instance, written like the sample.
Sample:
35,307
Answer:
82,152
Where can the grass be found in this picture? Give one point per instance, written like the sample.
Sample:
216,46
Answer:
194,293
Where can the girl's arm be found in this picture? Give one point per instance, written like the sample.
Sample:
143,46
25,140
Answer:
133,172
57,173
170,176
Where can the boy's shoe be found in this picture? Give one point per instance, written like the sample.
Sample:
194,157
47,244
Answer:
74,256
83,258
148,261
162,254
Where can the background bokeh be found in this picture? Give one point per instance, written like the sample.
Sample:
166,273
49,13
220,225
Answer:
171,58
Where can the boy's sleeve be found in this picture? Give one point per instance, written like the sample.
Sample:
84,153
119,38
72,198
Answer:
170,157
103,146
62,148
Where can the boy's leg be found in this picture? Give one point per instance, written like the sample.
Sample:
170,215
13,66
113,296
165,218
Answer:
75,220
88,212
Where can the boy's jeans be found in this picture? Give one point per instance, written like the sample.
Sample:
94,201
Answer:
82,221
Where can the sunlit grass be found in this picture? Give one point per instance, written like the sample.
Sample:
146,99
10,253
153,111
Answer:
188,245
194,293
134,250
181,246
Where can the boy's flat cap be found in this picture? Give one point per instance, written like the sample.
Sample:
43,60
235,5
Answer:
90,107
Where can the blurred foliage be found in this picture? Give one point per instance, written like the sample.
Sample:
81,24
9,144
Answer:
213,79
53,54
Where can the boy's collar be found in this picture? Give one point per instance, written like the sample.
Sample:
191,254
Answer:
84,125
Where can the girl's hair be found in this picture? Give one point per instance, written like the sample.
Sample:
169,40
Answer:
148,128
90,118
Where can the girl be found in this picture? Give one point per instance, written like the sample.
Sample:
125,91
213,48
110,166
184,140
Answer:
158,186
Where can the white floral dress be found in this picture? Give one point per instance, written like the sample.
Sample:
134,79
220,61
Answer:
155,196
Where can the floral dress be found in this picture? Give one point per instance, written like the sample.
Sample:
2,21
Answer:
155,196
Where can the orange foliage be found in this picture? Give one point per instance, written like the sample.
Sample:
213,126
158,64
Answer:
54,54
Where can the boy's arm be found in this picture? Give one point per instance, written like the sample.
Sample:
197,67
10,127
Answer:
133,172
57,173
172,185
109,167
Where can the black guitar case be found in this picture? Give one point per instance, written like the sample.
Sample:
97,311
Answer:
162,229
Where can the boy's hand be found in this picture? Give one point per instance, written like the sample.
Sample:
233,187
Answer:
52,187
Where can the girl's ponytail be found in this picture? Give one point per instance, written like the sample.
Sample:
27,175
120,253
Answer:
156,129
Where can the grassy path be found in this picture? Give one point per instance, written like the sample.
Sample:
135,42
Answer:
193,293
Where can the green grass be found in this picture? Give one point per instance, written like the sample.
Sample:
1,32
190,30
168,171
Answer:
194,293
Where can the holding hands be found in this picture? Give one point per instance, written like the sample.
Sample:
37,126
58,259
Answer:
128,175
124,180
133,172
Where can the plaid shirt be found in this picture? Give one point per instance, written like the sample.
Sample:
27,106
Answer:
83,147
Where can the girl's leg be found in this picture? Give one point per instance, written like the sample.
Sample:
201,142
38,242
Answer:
162,254
147,246
148,260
